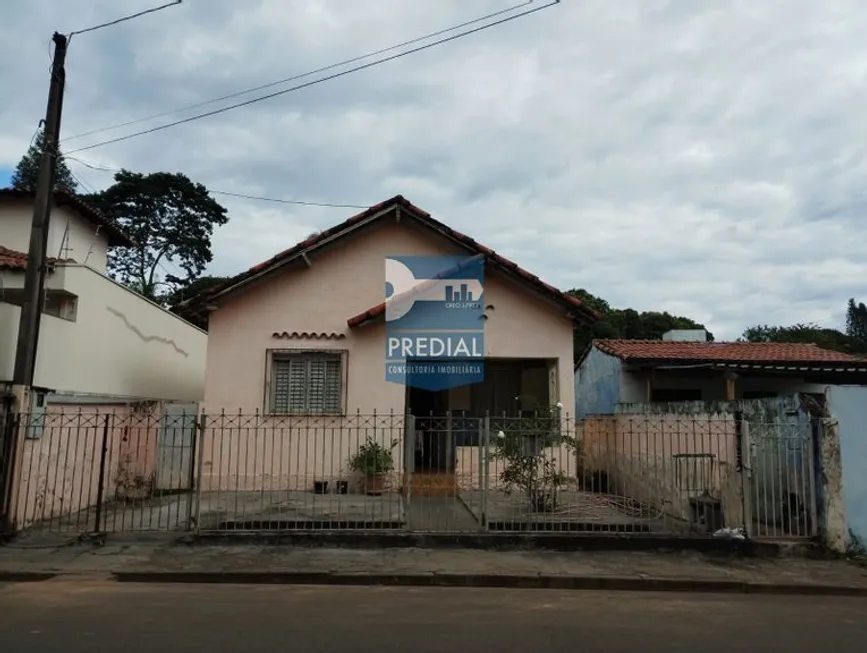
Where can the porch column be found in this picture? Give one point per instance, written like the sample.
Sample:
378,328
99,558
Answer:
731,378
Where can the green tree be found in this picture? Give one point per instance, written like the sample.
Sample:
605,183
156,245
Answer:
856,324
192,289
171,219
26,175
802,333
626,323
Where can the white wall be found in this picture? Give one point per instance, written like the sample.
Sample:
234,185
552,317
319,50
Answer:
9,315
82,242
120,344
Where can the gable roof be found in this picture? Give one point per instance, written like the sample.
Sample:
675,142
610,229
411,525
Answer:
113,234
17,261
575,307
729,354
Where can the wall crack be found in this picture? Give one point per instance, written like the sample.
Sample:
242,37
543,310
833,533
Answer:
144,338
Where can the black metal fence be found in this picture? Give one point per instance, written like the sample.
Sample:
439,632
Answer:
142,468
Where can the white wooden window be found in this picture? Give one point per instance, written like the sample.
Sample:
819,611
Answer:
307,383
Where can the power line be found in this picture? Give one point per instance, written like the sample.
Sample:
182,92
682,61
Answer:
272,199
285,80
125,18
269,96
233,194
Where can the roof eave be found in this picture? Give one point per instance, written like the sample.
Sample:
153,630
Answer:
276,263
762,365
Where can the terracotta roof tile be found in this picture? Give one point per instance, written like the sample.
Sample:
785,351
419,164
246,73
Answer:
113,233
12,260
721,352
585,313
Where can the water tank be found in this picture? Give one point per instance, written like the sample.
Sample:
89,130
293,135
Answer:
685,335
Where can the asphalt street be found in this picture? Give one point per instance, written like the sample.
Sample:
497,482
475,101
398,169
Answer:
72,616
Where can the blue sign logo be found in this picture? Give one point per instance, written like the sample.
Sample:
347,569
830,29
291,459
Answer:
434,321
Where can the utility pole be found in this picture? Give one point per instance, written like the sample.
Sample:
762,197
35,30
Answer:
34,289
34,280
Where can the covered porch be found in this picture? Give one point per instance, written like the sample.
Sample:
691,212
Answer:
449,424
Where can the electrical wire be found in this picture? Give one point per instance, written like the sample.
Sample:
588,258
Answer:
240,195
293,78
274,199
125,18
269,96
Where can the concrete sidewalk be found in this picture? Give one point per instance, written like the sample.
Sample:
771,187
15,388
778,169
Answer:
162,561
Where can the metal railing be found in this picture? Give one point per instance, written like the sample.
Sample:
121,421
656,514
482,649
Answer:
142,468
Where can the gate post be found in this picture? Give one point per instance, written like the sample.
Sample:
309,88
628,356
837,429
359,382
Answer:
100,488
745,455
191,475
9,419
409,436
197,483
484,457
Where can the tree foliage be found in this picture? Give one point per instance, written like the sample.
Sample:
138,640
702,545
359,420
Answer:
26,175
854,341
192,289
626,323
856,324
171,219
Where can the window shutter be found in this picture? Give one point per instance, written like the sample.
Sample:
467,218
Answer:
316,385
298,386
281,376
307,384
333,385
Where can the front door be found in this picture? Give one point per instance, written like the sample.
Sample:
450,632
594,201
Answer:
432,429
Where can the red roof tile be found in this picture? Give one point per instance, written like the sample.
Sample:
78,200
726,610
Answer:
12,260
721,352
584,312
113,233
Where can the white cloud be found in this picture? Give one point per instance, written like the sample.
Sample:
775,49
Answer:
700,156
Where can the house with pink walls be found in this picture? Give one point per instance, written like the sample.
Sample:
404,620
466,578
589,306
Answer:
299,341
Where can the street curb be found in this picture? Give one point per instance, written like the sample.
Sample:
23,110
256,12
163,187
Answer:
25,576
435,579
515,541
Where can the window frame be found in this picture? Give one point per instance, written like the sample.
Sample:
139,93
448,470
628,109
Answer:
63,307
271,355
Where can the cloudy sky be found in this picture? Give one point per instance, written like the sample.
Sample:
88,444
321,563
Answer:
704,157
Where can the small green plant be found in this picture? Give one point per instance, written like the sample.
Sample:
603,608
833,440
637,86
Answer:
856,552
521,443
372,458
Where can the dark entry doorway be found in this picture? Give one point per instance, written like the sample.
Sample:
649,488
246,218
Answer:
430,408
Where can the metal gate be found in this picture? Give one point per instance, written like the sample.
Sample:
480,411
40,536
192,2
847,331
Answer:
781,486
175,448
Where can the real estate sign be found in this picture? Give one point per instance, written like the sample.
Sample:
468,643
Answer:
434,320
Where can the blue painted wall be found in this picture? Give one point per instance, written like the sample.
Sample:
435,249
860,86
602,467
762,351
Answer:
597,384
848,405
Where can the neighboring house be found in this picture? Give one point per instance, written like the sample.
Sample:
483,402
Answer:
684,367
104,353
303,334
699,428
97,337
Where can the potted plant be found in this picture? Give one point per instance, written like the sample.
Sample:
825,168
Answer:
373,461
